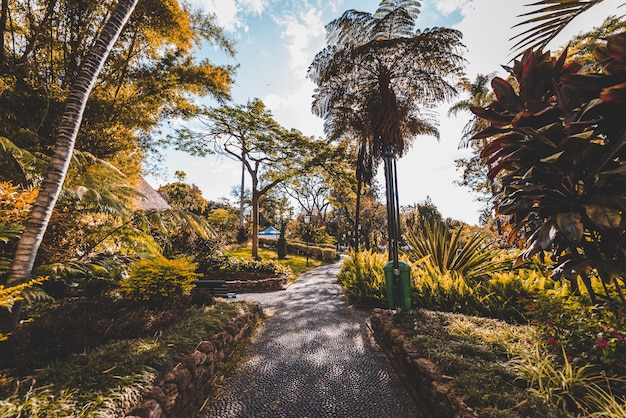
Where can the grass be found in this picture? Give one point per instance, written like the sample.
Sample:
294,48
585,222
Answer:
475,352
297,263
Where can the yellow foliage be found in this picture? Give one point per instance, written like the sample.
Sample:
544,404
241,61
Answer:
159,279
15,203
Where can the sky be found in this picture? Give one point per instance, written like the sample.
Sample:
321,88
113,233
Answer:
276,40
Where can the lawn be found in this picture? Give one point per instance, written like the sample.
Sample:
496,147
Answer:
297,263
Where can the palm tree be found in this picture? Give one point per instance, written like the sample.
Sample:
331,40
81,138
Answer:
549,20
378,80
37,223
474,171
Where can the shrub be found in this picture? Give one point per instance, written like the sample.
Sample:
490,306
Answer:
158,279
446,251
362,277
447,291
320,252
246,264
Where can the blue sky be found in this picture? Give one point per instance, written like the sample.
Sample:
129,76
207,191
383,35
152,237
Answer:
276,40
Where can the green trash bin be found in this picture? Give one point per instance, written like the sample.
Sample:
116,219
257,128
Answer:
398,288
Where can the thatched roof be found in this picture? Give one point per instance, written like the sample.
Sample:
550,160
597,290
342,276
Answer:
153,200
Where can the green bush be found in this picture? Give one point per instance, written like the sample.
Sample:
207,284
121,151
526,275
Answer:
319,252
158,279
246,264
363,279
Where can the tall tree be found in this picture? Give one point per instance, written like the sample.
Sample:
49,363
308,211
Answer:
37,223
249,134
474,171
151,74
381,77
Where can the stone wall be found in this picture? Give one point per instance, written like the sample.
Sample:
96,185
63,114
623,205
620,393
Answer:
432,387
175,392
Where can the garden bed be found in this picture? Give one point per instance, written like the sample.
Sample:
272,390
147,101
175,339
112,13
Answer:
250,281
456,374
140,361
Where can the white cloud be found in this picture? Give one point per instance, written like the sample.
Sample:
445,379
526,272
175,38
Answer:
231,13
446,7
304,33
292,110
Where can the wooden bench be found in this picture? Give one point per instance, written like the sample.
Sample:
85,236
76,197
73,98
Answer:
217,287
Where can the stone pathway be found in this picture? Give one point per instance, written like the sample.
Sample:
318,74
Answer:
313,358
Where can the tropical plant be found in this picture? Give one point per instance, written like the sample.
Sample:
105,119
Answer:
575,389
557,149
362,277
151,75
445,251
377,82
548,20
474,172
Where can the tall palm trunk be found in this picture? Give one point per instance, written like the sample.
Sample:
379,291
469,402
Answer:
37,223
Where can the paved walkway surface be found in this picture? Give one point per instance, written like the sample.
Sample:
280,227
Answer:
312,358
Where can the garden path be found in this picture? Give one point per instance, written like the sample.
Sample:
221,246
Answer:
313,357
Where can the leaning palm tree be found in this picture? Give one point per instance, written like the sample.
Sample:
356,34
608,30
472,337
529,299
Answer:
548,20
378,79
51,186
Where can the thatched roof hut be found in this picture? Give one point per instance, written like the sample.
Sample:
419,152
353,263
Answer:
152,200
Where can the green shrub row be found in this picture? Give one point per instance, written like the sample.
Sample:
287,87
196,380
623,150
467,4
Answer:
324,252
321,253
235,264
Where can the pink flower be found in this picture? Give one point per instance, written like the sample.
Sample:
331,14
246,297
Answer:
602,342
552,341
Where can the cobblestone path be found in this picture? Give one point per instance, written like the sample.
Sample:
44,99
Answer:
313,358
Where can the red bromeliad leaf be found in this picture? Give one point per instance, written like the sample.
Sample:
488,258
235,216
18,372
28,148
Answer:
491,115
489,132
603,217
616,47
614,94
500,142
504,164
570,225
501,153
506,95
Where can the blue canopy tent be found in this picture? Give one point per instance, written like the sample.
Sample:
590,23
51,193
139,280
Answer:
270,232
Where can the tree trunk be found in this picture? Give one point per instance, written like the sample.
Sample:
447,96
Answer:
4,11
35,227
241,193
255,221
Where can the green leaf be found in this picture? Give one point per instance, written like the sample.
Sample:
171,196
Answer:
606,218
552,158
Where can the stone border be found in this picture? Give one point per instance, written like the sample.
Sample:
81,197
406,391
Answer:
429,383
179,388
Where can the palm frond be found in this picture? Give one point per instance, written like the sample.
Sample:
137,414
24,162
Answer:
31,165
548,19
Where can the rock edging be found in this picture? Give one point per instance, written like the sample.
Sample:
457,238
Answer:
431,385
179,388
